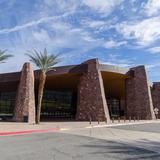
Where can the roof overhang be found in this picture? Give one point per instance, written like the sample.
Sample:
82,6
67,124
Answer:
114,69
76,69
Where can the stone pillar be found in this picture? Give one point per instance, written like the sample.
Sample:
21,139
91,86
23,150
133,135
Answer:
25,99
91,96
138,94
155,90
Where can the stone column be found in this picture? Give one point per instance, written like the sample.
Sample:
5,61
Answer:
25,99
138,95
155,90
91,96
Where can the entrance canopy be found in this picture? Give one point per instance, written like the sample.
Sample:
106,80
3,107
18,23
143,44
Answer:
114,84
114,87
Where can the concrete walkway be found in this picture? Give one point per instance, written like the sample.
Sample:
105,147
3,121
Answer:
147,139
14,127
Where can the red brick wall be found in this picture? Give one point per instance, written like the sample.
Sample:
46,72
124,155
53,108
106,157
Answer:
138,95
91,96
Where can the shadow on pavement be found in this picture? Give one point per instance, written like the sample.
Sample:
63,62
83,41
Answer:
61,146
116,150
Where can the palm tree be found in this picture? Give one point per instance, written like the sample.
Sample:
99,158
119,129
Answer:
4,56
44,62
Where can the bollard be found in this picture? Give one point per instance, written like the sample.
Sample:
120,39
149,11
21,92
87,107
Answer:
134,118
106,121
112,120
90,120
138,118
124,119
118,119
129,118
98,120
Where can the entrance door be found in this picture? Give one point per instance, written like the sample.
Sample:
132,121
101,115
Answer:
114,107
58,105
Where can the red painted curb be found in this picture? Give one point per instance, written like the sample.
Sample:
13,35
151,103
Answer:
28,132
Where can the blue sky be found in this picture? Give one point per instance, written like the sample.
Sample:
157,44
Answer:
118,32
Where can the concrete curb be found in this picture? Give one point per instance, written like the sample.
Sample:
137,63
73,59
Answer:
120,124
28,132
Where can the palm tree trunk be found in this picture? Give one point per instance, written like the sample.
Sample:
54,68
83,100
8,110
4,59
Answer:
42,80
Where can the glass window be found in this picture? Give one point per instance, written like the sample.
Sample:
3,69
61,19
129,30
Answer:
7,102
58,104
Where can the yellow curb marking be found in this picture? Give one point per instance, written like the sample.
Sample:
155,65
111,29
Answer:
89,127
64,129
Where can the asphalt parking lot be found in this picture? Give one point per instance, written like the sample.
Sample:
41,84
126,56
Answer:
60,146
149,127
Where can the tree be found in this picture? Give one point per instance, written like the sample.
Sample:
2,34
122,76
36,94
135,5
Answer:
44,62
4,56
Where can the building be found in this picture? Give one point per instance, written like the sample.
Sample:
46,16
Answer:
80,92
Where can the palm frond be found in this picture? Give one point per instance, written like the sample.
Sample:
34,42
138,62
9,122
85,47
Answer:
4,56
43,60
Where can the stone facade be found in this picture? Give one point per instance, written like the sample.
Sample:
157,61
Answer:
138,95
155,90
91,97
91,101
25,100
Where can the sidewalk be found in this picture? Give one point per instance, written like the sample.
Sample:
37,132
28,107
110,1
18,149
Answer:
58,126
139,139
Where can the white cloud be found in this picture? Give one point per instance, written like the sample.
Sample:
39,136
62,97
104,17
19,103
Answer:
68,35
125,65
112,44
32,23
117,60
93,23
58,6
102,6
151,66
87,37
65,35
154,50
99,26
152,7
42,35
145,32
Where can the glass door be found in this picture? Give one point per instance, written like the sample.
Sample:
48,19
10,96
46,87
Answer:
114,107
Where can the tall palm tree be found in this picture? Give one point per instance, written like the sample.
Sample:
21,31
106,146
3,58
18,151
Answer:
4,56
44,62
